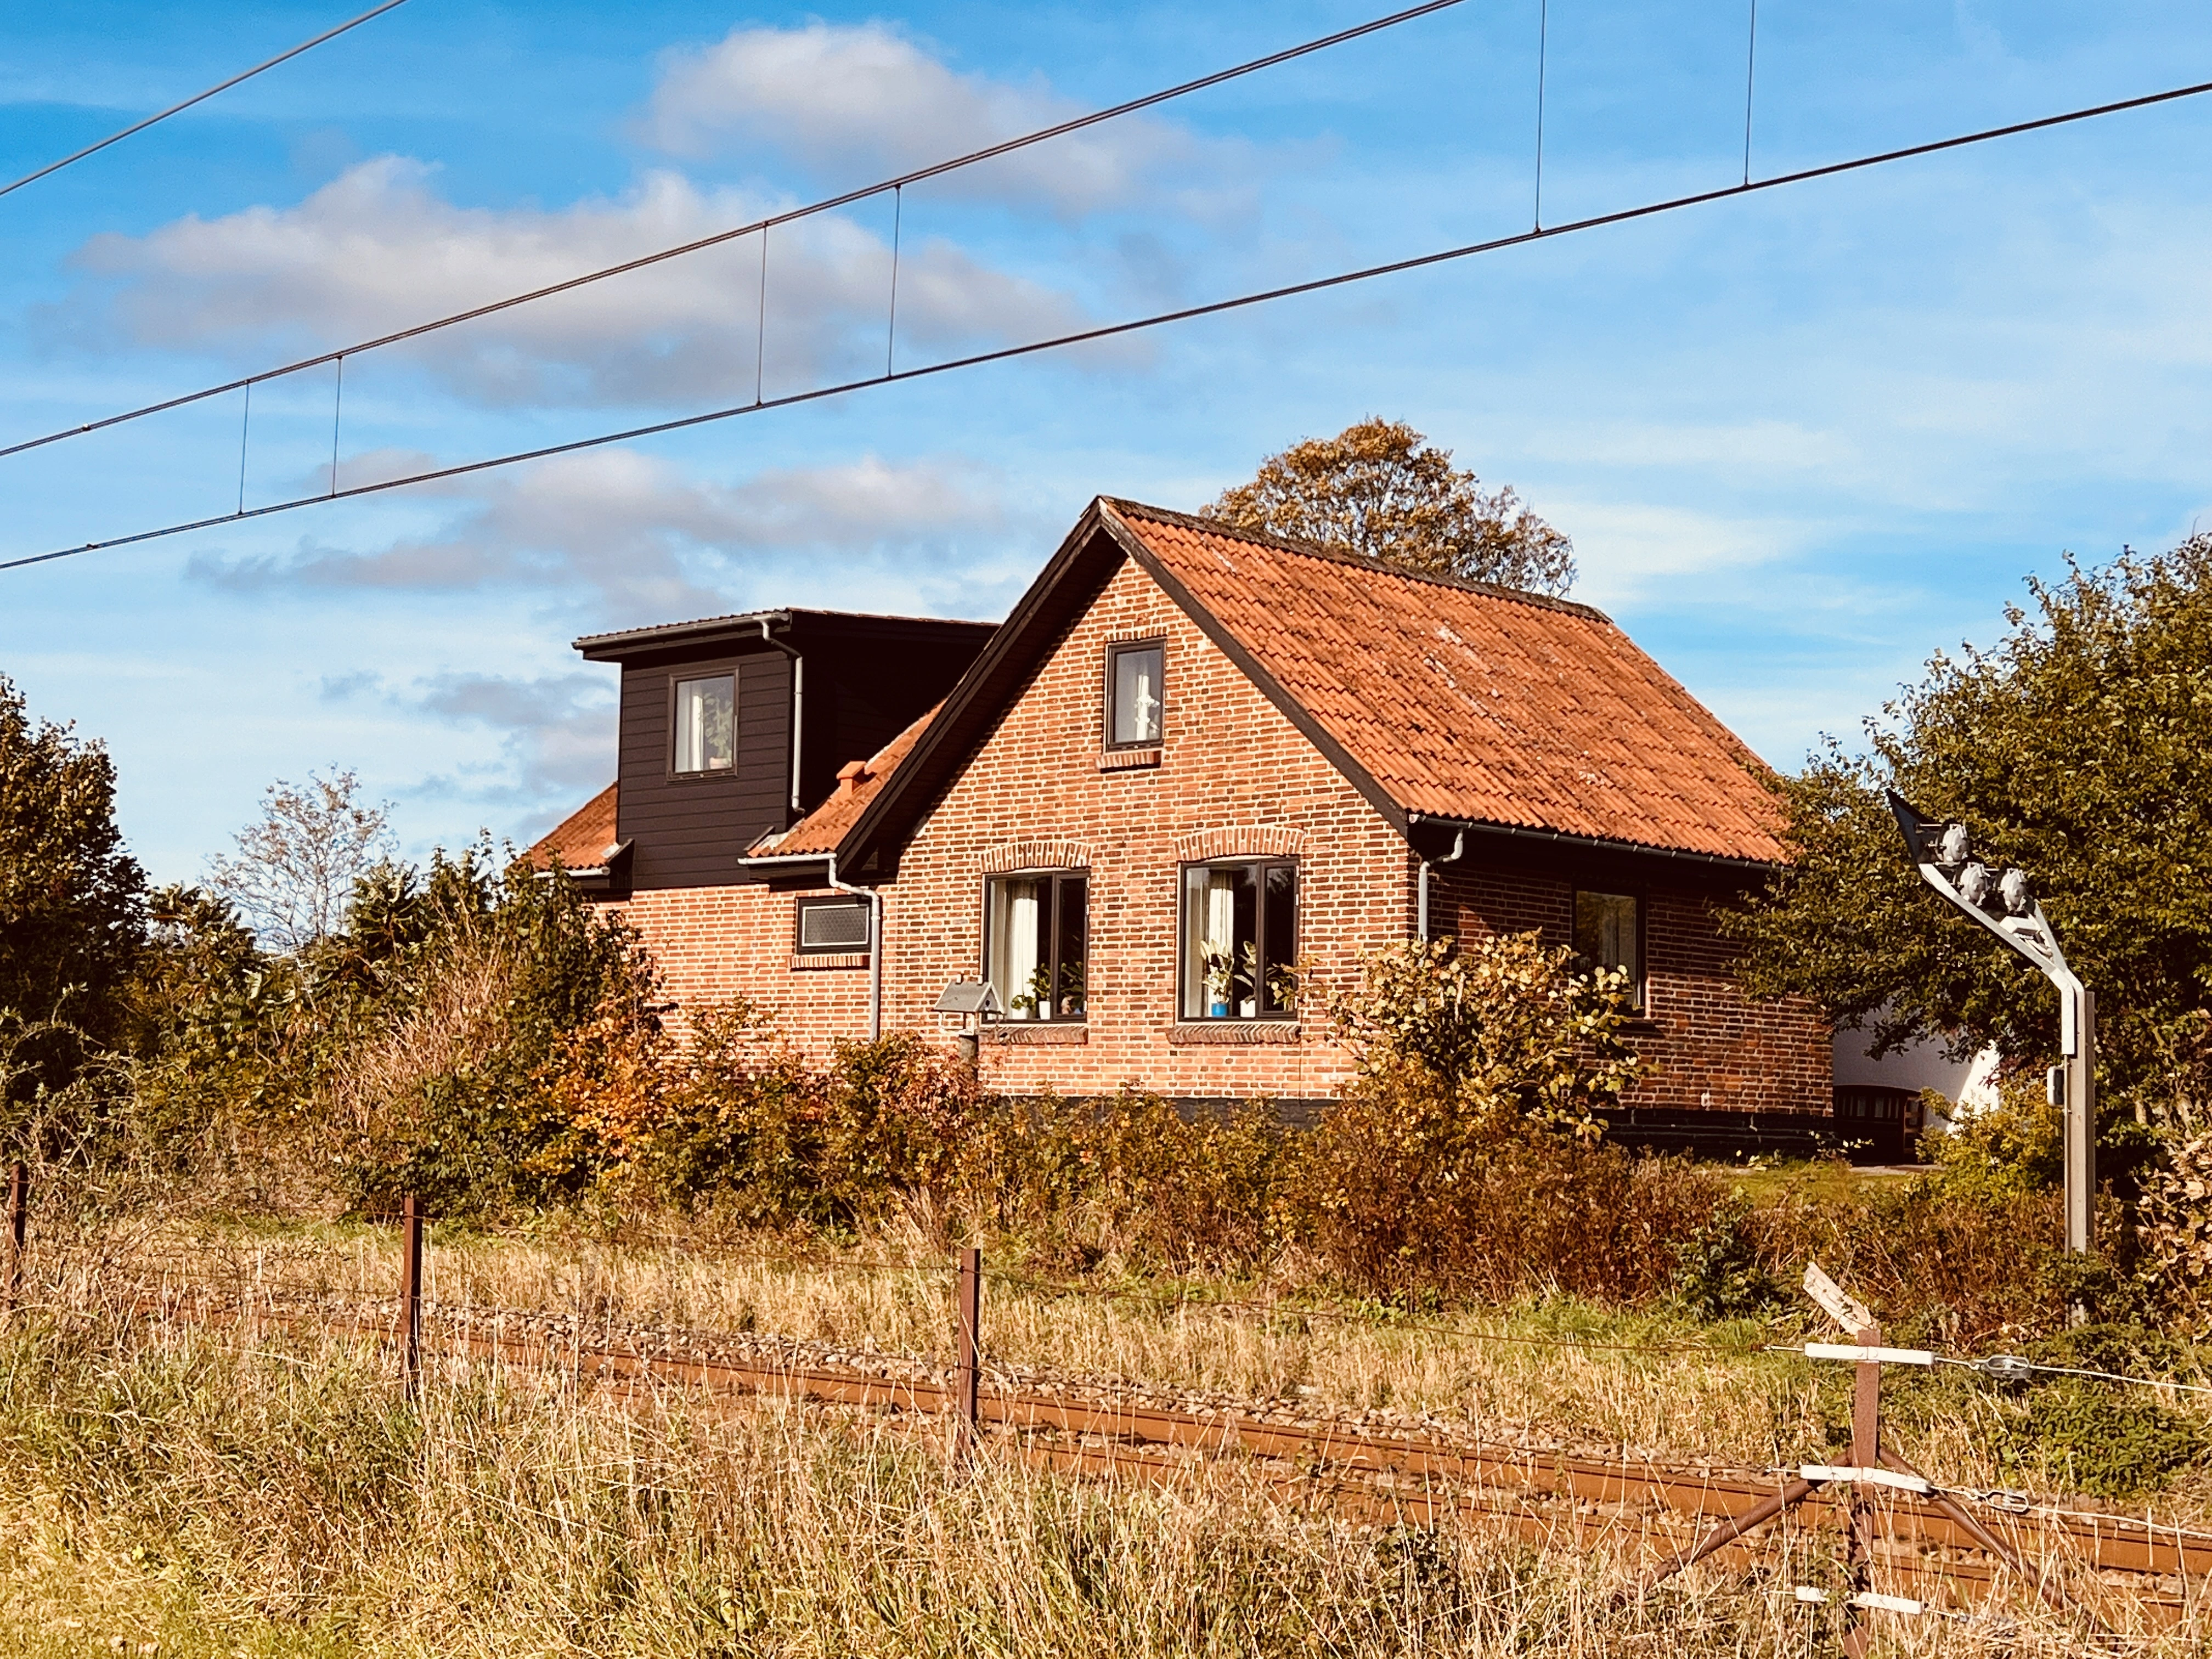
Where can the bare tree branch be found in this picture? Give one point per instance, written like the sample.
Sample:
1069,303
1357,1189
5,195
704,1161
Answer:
296,865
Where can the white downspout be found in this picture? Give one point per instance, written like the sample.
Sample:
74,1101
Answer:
798,707
1459,846
875,899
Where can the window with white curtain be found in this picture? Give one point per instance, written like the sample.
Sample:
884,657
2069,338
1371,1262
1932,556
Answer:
1035,943
706,724
1240,940
1135,695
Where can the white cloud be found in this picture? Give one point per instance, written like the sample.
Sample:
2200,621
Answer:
1628,550
377,249
864,101
637,533
555,732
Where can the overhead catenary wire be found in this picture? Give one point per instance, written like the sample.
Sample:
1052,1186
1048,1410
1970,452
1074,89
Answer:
200,97
1750,79
1105,332
936,169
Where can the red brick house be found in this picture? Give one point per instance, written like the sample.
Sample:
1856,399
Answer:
1170,800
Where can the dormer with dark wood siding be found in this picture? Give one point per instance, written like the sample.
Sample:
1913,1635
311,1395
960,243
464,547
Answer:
734,727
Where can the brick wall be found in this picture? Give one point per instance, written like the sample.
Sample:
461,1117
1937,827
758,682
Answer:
1713,1047
1234,778
714,942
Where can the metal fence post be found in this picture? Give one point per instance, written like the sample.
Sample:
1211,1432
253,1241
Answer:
1858,1512
967,1384
410,1295
19,1221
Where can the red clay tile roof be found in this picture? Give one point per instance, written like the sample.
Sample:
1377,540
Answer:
1480,703
820,831
581,839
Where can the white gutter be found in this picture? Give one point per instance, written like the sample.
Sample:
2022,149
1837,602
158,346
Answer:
1459,846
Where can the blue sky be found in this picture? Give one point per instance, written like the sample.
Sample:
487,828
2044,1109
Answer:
1800,439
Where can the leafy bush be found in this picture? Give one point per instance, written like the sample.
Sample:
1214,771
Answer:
406,1052
1717,1272
1495,1031
444,1004
2016,1147
2094,1438
1131,1177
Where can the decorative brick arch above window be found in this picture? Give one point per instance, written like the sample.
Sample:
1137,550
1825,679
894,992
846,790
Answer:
1243,840
1039,854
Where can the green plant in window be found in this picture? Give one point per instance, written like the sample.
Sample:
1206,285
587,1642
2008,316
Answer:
1037,997
1072,996
1220,973
1247,980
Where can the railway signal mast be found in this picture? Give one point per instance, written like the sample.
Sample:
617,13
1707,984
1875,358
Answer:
2005,905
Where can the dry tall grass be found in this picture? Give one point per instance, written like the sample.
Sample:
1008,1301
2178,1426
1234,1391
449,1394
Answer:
170,1489
1552,1372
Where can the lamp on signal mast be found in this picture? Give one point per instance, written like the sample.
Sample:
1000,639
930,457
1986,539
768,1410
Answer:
2005,905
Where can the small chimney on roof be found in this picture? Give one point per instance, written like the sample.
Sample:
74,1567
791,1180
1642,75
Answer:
851,776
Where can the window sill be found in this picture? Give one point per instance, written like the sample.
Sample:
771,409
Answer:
1232,1032
1067,1031
1126,760
802,964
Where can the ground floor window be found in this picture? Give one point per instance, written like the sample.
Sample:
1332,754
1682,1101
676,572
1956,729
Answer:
1240,940
1034,938
832,927
1609,933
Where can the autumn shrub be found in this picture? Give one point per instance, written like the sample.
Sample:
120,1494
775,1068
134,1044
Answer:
1466,1157
2001,1151
431,1024
1131,1177
1484,1037
2175,1232
1955,1268
736,1118
1400,1210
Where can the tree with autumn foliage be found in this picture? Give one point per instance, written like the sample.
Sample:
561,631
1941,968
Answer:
1381,490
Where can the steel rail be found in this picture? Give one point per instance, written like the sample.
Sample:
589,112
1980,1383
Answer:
1360,1471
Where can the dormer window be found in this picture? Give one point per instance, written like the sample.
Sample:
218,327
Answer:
1134,690
706,724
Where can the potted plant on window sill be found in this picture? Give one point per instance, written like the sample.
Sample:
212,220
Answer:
1035,1003
1220,977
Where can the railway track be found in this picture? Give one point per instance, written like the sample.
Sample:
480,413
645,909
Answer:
1637,1508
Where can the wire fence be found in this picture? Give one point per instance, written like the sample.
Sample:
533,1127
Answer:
437,1304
